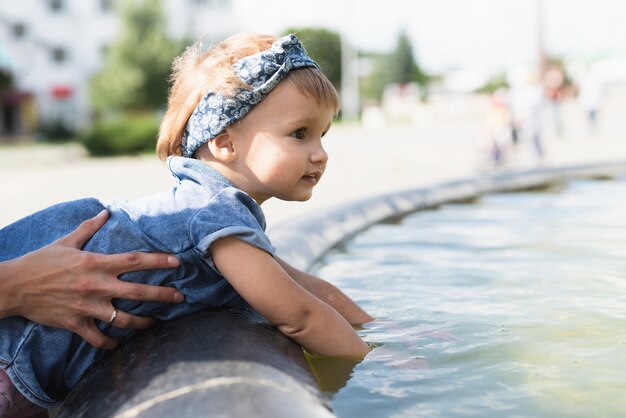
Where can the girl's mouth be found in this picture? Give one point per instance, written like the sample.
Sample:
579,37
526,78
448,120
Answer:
311,178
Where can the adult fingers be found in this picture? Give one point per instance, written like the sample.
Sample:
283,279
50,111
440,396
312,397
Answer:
116,317
126,320
134,261
85,230
147,293
90,333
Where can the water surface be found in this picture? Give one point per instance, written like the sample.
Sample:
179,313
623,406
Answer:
511,307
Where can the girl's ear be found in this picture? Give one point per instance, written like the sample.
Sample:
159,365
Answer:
223,147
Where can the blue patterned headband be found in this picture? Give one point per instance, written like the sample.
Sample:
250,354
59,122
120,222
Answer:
262,72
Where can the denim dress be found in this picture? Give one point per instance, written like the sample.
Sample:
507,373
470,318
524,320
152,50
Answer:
45,363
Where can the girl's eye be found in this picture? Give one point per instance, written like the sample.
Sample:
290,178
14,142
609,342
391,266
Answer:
299,134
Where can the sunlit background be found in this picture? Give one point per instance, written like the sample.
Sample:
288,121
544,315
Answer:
51,50
499,80
431,90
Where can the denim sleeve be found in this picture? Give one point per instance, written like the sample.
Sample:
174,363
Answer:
230,213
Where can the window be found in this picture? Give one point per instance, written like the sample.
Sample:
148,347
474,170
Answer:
19,30
59,55
106,5
56,5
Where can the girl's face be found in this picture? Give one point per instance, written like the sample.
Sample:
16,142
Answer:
279,145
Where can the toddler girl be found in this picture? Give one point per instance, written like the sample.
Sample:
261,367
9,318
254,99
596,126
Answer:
244,123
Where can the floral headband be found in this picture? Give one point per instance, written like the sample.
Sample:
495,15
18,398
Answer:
262,72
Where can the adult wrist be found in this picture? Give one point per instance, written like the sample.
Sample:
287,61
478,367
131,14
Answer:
9,283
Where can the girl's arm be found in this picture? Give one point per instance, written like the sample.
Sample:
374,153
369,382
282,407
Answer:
265,285
329,294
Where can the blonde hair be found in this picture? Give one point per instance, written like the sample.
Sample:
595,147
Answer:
197,72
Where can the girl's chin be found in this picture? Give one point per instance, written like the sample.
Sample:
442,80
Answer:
297,198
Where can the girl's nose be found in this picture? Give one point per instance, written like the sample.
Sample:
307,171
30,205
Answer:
319,155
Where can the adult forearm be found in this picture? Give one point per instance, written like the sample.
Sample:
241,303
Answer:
9,286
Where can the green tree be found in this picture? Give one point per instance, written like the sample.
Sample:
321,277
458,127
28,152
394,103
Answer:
496,82
399,66
373,85
403,67
6,80
6,75
135,73
324,47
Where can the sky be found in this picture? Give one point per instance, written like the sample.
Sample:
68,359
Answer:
489,35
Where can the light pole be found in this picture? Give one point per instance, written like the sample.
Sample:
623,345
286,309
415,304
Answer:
541,52
349,81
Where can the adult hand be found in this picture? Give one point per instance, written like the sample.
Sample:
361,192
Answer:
61,286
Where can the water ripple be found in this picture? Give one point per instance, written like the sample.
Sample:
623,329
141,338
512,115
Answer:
514,306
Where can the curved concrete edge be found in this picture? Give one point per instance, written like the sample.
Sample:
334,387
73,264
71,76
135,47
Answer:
226,363
303,242
231,363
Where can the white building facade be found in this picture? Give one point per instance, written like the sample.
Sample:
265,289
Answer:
52,48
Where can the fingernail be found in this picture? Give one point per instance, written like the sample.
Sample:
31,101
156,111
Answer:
102,213
178,297
171,260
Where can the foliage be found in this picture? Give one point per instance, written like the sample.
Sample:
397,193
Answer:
324,47
57,131
399,66
136,70
496,82
6,80
403,67
130,134
373,85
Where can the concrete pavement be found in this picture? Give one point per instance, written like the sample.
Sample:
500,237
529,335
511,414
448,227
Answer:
364,161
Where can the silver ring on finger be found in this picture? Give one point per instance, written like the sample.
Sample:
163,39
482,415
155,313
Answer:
113,316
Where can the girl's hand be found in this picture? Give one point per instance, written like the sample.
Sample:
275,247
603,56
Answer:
268,288
61,286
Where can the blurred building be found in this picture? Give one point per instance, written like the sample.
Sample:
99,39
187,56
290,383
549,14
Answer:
12,101
51,48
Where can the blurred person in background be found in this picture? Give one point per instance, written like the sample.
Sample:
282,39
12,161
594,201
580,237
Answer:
554,82
590,92
525,101
497,125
